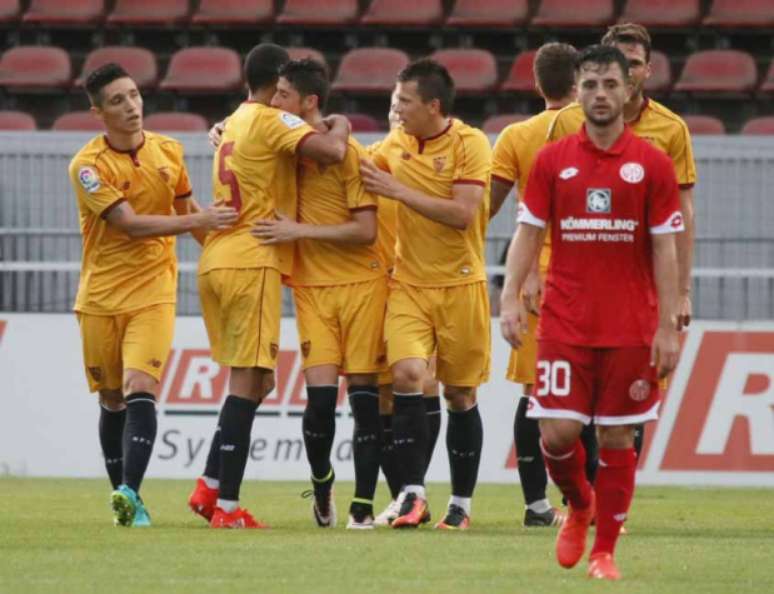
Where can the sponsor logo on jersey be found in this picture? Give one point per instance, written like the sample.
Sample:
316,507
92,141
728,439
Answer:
599,200
632,173
568,173
89,179
290,120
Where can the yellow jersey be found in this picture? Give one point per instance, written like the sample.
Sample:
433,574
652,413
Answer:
427,253
656,124
120,274
387,222
246,174
327,195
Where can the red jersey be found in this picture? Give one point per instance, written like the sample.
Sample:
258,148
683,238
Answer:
603,206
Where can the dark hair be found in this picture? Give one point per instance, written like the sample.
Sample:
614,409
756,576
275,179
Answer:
433,82
262,65
308,77
554,69
629,33
100,78
602,55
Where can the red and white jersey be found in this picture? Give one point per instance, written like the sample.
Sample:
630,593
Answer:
602,206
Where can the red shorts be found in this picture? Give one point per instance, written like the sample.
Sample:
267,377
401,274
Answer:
612,386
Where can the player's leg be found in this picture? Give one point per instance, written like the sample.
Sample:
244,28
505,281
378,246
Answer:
112,416
364,403
387,459
431,390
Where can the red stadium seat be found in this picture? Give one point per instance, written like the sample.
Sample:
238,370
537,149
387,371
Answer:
702,124
17,120
314,12
77,120
521,78
662,13
740,13
370,70
759,126
65,12
489,13
497,123
561,13
138,62
473,70
715,71
767,86
660,73
173,121
404,13
155,13
35,67
203,70
299,53
234,12
9,11
363,123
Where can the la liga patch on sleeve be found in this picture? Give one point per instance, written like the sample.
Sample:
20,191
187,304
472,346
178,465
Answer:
89,179
290,120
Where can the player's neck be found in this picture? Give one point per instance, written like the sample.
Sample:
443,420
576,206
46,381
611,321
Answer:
633,108
435,128
262,96
315,120
604,137
557,103
125,142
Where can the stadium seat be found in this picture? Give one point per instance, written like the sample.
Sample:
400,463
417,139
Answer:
718,71
234,12
203,70
759,126
767,86
497,123
65,12
299,53
521,78
77,120
17,120
139,62
363,123
9,11
703,124
662,13
154,13
564,14
740,13
35,67
489,13
473,70
370,70
660,73
403,13
175,121
316,13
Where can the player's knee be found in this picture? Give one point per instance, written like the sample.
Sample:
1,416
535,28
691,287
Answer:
112,400
559,435
616,437
408,375
138,381
459,399
269,383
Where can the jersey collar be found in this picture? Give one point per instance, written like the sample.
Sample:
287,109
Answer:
131,152
423,141
616,149
645,105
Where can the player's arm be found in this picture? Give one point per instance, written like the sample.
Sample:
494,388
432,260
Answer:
136,226
664,350
186,206
330,147
522,253
499,191
359,230
685,248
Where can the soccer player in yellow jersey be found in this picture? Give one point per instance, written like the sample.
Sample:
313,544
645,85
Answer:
514,152
437,168
131,185
239,277
340,291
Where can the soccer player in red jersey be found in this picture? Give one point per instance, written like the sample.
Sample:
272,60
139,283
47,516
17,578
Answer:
607,329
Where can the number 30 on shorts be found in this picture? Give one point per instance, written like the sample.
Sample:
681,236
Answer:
553,378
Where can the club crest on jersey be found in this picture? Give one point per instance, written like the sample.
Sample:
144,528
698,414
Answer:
599,200
290,120
439,163
639,390
89,179
632,173
568,172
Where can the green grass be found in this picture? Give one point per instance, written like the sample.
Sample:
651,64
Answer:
57,536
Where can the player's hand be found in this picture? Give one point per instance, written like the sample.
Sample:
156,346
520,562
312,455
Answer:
664,351
513,319
215,135
279,230
684,312
532,291
377,181
333,119
218,216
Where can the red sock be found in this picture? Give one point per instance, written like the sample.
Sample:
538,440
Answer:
614,487
568,471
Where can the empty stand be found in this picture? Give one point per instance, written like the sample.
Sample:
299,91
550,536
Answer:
77,120
64,12
362,122
404,13
718,71
299,53
156,13
9,11
497,123
175,121
564,14
662,13
234,12
740,13
703,124
370,70
17,120
473,70
35,67
488,13
759,126
660,73
203,70
521,78
140,63
315,13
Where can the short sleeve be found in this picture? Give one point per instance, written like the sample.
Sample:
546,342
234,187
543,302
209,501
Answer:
378,152
472,159
183,188
681,153
664,214
94,187
283,131
357,196
505,157
535,207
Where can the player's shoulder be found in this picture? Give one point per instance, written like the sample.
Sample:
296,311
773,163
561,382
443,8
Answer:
649,153
659,111
572,112
285,119
166,143
90,153
462,131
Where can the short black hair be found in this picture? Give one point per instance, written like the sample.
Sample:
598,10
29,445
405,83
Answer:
433,82
262,65
308,77
100,78
602,55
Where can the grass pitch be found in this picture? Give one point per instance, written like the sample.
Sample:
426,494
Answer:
57,536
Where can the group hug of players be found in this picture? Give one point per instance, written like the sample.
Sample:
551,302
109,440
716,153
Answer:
383,248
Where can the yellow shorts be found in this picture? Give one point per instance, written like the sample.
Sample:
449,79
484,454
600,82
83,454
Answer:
139,340
343,325
242,310
521,366
452,320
